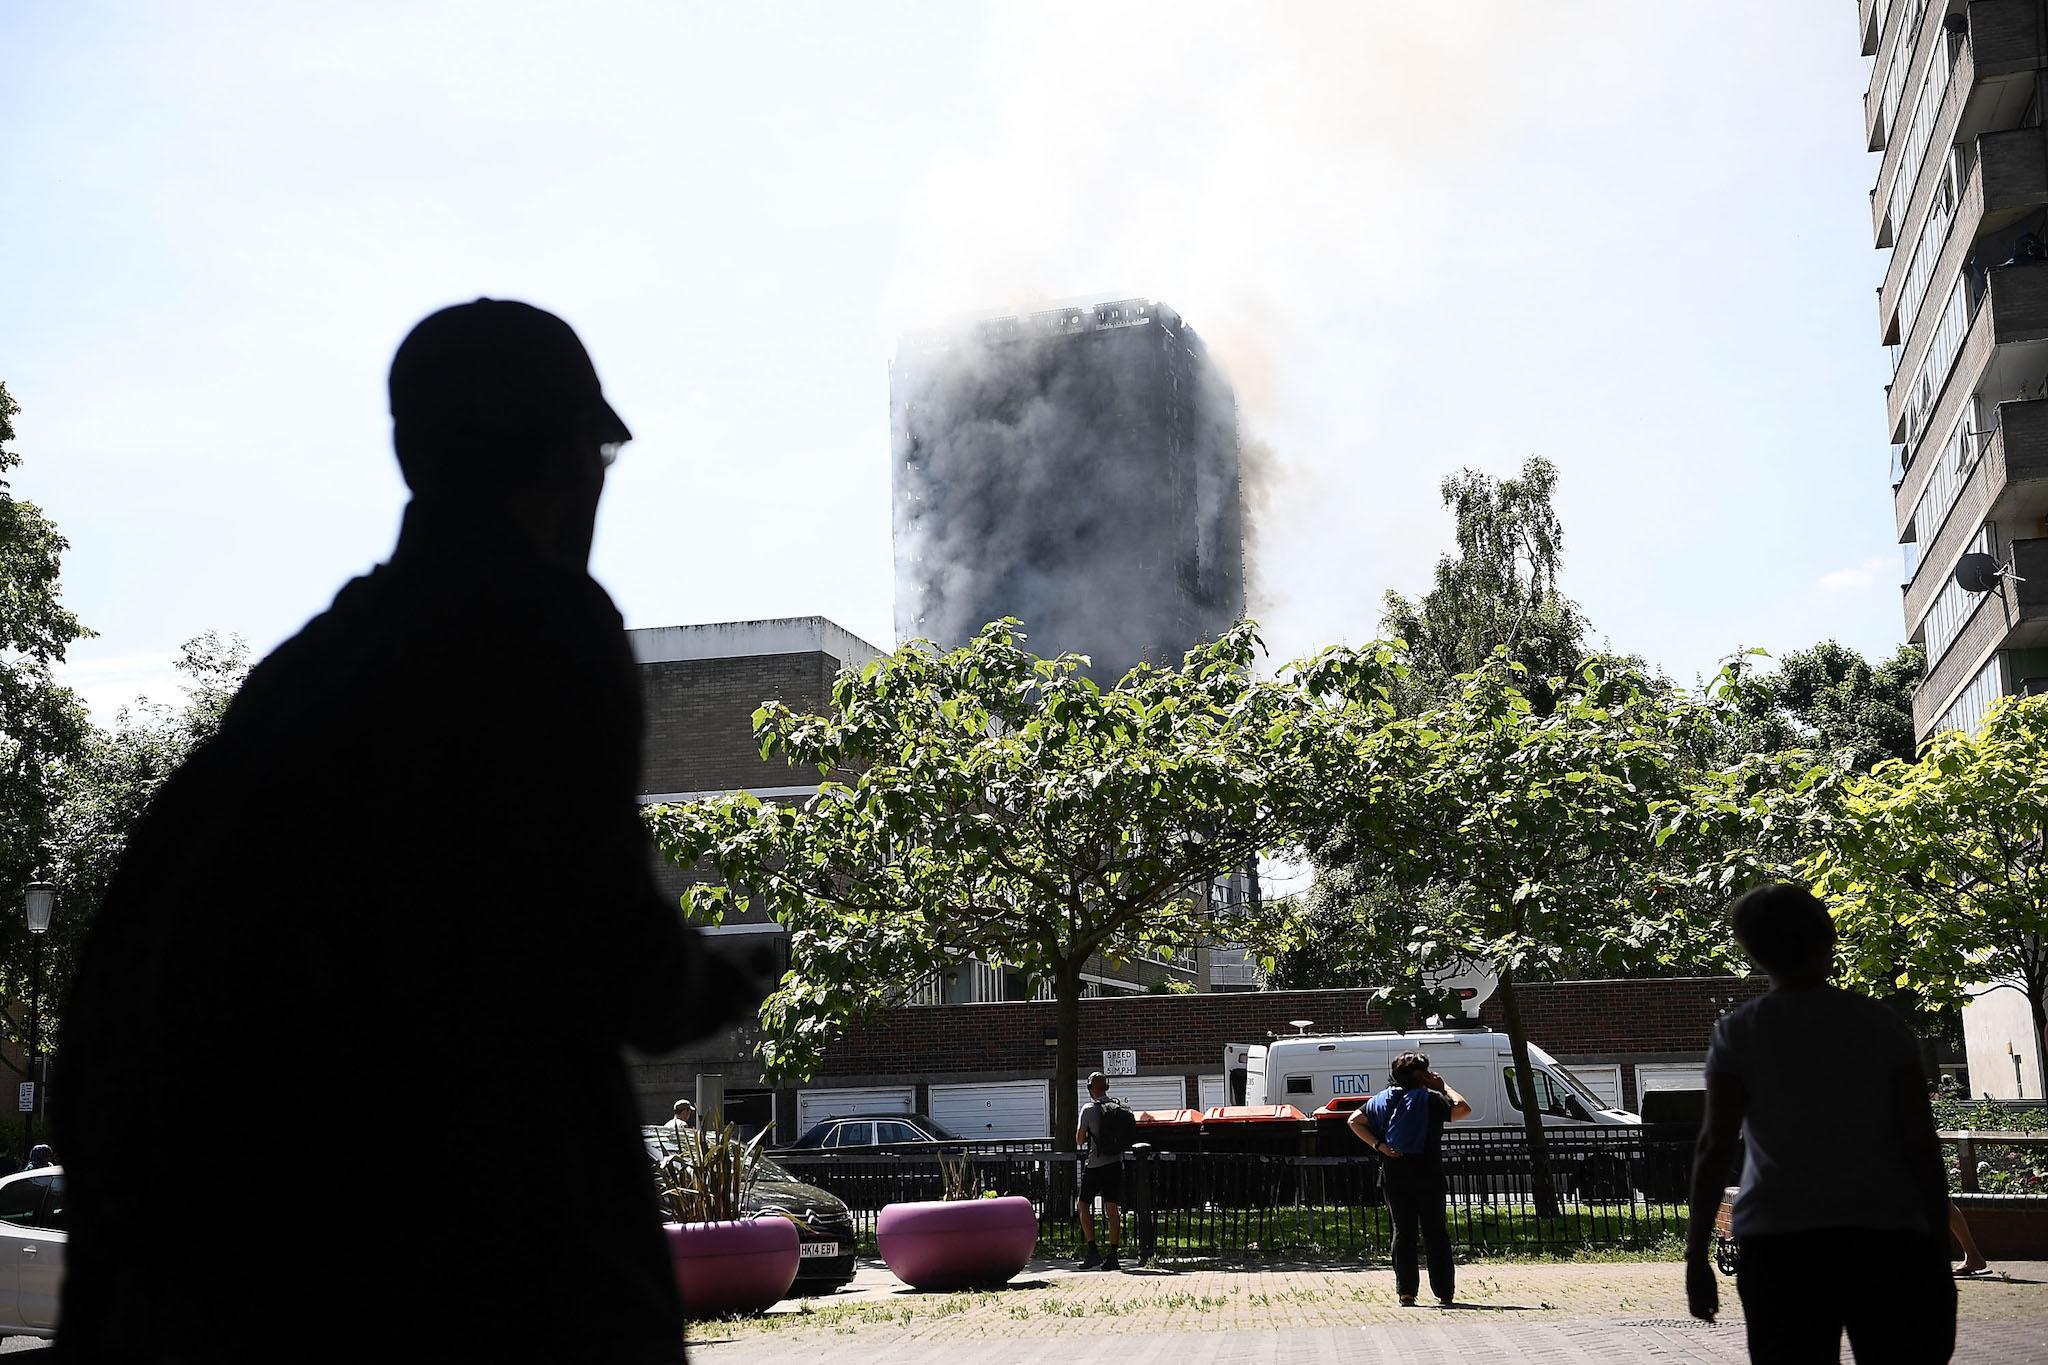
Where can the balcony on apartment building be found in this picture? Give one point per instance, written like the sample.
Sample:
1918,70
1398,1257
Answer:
2004,477
2012,616
2001,306
1944,87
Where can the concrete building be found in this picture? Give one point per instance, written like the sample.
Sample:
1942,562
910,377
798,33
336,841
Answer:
699,687
1955,106
1076,468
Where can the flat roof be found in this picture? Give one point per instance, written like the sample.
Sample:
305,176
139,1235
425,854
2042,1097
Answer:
750,640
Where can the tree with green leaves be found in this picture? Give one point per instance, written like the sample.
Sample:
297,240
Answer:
986,803
1936,870
1832,700
100,793
1496,593
1534,829
43,726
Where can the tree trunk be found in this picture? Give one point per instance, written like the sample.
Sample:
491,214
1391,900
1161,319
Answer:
1541,1184
2040,1011
1066,1077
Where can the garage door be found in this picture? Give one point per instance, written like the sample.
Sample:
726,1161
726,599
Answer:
1604,1081
815,1106
1213,1092
993,1109
1146,1092
1670,1076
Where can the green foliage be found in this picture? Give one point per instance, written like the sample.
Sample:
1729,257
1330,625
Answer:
98,796
705,1175
43,726
1936,871
984,802
1829,699
2000,1169
1498,592
1535,833
1534,822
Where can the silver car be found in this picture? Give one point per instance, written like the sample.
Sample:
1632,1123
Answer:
31,1251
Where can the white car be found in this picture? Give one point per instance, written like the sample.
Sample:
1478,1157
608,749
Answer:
31,1251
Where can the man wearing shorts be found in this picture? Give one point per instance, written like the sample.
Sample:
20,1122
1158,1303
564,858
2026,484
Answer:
1101,1175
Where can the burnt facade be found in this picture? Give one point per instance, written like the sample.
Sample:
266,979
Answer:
1076,468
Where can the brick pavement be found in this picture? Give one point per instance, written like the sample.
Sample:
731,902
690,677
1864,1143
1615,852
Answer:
1509,1313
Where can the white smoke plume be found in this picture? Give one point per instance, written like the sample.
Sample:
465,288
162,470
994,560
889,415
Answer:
1296,154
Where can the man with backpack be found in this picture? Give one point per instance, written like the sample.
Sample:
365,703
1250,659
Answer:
1106,1132
1404,1123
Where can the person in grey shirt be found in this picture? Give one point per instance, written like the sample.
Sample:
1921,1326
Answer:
1842,1216
1102,1175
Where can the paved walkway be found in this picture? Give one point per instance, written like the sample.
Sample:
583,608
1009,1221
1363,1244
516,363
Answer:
1507,1313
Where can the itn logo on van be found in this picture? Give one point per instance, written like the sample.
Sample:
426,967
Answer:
1356,1083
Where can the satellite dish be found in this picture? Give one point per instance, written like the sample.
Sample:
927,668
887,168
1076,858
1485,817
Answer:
1977,572
1473,981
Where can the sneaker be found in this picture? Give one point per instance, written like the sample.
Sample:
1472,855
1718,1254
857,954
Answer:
1088,1260
1109,1262
1407,1300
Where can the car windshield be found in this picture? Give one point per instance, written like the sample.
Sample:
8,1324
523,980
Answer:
1586,1094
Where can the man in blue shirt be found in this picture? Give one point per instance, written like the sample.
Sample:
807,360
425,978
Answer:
1404,1124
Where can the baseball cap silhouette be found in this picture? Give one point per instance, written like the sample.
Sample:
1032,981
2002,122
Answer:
492,391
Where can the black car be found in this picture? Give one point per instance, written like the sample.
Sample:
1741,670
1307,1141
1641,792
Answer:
870,1160
824,1225
874,1133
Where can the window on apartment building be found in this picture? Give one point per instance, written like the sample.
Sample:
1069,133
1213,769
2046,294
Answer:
1902,63
1940,358
1956,459
1953,605
1968,710
1933,236
1933,88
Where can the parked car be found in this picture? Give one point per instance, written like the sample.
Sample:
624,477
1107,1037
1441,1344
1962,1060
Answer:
873,1133
870,1160
32,1250
824,1224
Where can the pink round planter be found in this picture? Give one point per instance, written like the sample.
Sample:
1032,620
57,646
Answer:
954,1244
740,1267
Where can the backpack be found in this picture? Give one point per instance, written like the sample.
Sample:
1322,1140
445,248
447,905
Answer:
1117,1130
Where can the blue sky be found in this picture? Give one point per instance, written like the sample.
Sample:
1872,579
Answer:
1632,238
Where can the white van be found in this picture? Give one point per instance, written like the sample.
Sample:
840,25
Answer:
1308,1072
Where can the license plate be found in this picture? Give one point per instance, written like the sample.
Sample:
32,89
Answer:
821,1248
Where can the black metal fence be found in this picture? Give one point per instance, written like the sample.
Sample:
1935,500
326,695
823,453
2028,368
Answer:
1619,1188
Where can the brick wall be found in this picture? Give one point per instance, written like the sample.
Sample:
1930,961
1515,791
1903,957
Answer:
700,719
1571,1018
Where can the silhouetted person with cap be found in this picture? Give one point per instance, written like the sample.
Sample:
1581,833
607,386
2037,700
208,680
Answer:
402,899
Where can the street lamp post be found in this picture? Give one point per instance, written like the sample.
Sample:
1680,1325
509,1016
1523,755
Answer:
41,898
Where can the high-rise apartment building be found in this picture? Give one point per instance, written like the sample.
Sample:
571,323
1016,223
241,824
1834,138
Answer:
1076,468
1955,106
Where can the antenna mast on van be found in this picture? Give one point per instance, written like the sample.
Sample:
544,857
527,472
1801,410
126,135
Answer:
1300,1026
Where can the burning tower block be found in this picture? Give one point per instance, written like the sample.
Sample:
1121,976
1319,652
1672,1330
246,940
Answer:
1076,468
